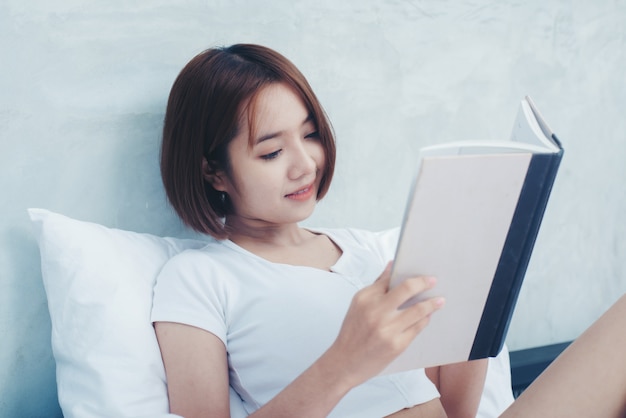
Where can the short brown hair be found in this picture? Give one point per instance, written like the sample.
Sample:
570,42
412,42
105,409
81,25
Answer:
202,117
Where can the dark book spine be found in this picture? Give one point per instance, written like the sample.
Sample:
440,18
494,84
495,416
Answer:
515,256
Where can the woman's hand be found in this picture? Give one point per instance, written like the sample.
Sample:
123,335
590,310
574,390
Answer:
375,331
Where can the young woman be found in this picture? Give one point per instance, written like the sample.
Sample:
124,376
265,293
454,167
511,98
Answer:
299,322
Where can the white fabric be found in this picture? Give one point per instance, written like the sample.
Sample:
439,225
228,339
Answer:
99,284
497,394
277,319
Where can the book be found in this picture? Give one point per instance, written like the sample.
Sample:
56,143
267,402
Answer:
471,220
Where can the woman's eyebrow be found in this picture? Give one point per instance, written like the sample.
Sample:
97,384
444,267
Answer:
267,136
271,135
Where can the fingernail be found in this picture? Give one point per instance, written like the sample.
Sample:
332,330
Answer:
432,280
439,302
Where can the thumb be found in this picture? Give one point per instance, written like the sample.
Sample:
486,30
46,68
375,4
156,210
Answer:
385,277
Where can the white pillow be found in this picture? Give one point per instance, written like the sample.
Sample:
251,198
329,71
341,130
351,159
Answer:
99,285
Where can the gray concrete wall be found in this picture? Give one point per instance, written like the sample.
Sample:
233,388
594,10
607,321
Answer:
82,94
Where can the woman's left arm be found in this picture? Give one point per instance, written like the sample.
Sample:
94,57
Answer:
460,386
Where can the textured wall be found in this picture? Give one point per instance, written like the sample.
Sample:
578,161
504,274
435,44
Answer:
82,93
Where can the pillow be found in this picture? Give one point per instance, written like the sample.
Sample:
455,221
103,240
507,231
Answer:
99,283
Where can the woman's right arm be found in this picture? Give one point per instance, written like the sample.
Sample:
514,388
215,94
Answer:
196,368
374,332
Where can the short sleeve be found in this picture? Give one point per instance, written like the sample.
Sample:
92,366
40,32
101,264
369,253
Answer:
381,244
387,242
189,290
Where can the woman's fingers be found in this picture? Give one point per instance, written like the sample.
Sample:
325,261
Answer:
416,317
406,320
376,328
409,322
408,289
393,299
405,290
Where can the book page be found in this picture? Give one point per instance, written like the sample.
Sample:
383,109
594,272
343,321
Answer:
527,128
530,134
480,147
455,227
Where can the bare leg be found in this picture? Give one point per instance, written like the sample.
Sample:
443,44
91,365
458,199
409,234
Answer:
588,379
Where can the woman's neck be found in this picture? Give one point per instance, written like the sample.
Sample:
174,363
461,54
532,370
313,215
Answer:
256,233
286,244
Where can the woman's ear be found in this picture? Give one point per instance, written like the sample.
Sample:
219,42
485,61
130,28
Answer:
214,176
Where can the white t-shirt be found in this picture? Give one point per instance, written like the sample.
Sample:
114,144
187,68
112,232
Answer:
277,319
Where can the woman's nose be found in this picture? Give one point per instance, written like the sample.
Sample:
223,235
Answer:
303,161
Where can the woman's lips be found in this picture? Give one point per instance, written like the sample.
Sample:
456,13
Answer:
303,194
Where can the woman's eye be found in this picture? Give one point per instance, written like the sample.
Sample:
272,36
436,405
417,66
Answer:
271,155
313,135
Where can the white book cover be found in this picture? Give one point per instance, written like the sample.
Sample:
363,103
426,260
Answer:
467,201
458,218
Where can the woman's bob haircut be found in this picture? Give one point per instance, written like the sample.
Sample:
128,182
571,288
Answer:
205,106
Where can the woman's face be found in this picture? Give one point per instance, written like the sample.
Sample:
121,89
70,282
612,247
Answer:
274,176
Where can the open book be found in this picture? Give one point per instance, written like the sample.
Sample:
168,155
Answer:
471,221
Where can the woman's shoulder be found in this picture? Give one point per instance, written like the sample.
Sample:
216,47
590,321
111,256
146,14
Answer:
208,272
213,255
